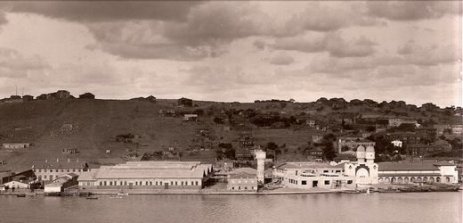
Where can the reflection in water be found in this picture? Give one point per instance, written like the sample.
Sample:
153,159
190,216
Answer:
404,207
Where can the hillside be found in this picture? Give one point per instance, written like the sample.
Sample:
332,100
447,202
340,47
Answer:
92,126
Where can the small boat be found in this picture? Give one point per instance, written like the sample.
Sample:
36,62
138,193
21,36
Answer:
92,198
20,195
121,193
116,196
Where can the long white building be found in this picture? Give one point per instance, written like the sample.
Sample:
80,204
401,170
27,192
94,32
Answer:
147,175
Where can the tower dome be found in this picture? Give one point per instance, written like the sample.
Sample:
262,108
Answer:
360,152
370,153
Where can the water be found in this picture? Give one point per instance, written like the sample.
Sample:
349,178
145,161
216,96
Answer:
323,208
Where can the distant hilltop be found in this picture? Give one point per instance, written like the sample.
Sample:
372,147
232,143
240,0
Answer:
333,103
58,95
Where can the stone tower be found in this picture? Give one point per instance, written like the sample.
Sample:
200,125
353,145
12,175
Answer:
370,154
360,154
260,157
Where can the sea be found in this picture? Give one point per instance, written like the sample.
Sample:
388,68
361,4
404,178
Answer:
445,207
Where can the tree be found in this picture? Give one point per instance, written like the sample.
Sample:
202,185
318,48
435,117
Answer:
218,120
87,95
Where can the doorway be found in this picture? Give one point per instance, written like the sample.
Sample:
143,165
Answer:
315,183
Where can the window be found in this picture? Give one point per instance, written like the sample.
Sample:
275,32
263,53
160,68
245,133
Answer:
327,182
349,182
325,171
304,182
146,183
233,188
245,188
196,183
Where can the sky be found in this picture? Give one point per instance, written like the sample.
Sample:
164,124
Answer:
234,51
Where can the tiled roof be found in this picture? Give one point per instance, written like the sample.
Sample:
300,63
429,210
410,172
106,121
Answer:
60,164
298,165
240,172
149,169
409,166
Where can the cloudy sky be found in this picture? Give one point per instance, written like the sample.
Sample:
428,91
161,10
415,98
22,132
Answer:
234,51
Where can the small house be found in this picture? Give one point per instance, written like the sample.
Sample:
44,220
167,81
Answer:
185,102
242,179
21,145
190,117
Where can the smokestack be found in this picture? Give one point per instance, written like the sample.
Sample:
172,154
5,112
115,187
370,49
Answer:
57,160
69,160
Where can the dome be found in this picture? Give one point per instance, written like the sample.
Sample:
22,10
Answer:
370,149
360,149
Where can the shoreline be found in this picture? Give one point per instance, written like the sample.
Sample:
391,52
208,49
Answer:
282,191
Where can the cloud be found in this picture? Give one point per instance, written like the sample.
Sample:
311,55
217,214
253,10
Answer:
97,11
14,65
412,10
282,59
315,16
429,55
333,43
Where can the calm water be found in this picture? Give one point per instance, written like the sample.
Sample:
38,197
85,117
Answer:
406,207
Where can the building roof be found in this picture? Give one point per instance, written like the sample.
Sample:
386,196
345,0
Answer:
312,165
149,169
59,164
240,172
412,166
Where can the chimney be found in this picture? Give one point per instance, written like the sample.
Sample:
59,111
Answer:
69,160
46,161
57,160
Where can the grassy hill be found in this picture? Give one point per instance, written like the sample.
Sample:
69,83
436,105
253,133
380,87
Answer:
91,126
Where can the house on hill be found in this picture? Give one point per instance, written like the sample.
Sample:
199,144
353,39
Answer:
28,98
190,117
185,102
15,146
87,95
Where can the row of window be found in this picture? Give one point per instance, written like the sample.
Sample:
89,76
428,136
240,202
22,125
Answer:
148,183
324,171
243,181
58,170
243,188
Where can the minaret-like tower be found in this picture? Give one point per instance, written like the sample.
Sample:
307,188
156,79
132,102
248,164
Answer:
370,154
361,154
260,157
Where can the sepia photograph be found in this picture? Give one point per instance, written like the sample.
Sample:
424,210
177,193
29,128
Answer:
242,111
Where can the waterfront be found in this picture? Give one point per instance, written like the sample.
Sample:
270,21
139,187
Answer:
350,208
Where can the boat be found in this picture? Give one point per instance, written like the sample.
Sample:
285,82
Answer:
116,196
20,195
122,193
92,198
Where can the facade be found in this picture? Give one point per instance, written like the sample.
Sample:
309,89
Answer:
454,129
307,175
22,145
351,143
396,122
397,143
17,185
190,117
260,157
418,172
242,179
148,175
49,171
61,183
364,171
423,149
